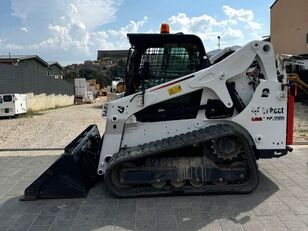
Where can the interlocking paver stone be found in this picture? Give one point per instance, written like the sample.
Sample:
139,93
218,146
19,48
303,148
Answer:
145,219
23,222
253,226
61,225
280,202
44,220
39,228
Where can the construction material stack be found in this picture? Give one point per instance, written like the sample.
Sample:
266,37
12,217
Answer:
82,91
94,87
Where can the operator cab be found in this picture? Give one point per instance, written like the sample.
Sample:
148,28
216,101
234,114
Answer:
157,58
154,59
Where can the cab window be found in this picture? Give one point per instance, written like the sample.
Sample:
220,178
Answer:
169,62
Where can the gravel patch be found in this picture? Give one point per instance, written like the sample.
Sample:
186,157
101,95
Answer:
51,129
301,122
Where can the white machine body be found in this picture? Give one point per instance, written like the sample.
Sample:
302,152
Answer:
264,116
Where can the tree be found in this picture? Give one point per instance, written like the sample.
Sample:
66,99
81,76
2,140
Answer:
88,73
70,76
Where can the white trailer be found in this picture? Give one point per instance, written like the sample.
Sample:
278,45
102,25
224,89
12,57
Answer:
13,104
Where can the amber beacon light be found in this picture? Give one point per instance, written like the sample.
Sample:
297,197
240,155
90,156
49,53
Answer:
164,28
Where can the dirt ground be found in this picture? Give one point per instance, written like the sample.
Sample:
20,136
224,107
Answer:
56,128
301,122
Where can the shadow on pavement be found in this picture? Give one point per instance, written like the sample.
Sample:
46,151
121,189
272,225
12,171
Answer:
99,211
30,149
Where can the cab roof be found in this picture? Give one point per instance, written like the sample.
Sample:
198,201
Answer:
144,41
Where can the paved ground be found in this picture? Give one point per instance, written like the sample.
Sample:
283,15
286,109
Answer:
279,203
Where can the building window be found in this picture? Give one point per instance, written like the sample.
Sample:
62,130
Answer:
306,38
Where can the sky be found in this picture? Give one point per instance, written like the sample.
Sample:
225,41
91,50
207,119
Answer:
71,31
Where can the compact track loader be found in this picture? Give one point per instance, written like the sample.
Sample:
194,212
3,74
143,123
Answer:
186,124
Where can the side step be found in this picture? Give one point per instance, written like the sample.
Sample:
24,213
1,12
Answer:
73,173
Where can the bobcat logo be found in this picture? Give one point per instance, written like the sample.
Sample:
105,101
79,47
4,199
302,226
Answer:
255,111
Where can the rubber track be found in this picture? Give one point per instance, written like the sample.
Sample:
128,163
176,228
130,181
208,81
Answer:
180,141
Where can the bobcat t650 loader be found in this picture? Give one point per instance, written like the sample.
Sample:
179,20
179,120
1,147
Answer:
186,124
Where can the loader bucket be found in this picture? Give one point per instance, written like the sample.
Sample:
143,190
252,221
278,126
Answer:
73,173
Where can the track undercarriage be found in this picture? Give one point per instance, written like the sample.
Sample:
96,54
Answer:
216,159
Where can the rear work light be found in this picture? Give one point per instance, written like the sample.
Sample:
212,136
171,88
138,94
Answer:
164,28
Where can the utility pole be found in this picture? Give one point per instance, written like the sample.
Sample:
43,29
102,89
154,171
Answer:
218,37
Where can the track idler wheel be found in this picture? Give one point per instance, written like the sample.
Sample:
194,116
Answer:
196,184
159,184
177,184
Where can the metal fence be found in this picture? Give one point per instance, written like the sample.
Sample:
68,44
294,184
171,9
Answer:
15,80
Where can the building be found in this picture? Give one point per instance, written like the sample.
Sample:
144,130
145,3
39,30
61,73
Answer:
289,26
111,54
55,69
31,75
113,59
30,63
33,63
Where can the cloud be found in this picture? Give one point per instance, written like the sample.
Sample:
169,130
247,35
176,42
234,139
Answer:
132,27
70,30
238,27
253,25
240,14
24,29
116,39
92,13
59,29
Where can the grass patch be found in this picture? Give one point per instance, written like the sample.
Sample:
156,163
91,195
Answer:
30,113
303,131
56,107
